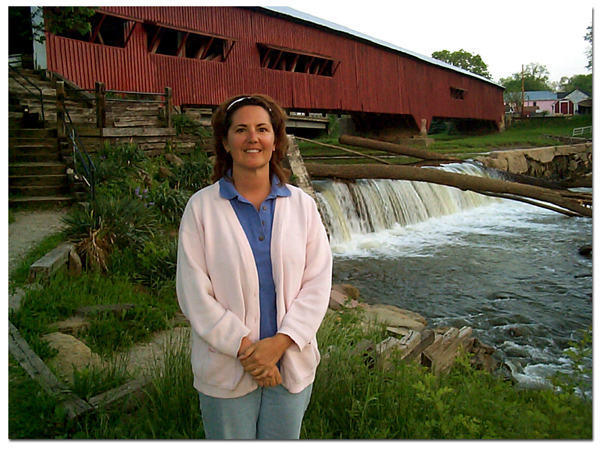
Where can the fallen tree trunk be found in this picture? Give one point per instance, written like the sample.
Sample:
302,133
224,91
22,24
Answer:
486,186
347,150
437,157
395,148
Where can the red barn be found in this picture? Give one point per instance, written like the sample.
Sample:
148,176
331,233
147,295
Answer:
206,54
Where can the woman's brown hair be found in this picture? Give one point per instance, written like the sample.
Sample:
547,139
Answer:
221,121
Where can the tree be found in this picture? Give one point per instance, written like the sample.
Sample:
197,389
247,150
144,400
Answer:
590,52
464,60
584,83
61,20
534,75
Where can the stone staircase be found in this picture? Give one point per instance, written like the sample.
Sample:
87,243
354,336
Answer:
36,170
37,173
39,160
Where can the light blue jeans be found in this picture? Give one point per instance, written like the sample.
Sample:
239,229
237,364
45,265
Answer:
265,413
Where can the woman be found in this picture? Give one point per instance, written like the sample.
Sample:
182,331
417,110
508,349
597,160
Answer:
253,278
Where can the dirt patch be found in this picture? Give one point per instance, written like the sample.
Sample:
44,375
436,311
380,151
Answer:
29,229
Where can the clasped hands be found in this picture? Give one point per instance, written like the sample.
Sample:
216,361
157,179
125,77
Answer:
260,358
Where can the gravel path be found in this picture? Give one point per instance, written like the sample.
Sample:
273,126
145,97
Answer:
28,229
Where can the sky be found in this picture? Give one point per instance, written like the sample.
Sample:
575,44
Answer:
506,34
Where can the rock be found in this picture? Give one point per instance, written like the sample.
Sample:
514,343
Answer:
337,300
116,309
395,317
73,325
75,266
351,291
174,159
72,355
483,358
164,173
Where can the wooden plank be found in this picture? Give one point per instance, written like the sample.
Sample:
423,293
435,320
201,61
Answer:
137,132
50,262
37,370
129,389
427,338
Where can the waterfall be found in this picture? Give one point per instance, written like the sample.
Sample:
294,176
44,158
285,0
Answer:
371,206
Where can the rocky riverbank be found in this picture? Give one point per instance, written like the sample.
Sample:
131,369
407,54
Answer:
411,339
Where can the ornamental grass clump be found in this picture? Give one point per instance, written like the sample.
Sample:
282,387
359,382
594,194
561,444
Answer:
100,227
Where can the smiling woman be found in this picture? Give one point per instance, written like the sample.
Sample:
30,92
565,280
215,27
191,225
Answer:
254,297
222,124
251,141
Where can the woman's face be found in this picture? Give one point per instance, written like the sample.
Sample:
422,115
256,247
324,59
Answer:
250,139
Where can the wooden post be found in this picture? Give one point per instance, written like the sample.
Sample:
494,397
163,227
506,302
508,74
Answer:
169,106
100,105
61,128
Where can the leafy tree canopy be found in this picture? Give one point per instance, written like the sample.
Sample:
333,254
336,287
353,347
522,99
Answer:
62,20
534,75
464,60
589,52
581,82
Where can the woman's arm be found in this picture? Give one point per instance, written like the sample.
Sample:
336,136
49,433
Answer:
214,323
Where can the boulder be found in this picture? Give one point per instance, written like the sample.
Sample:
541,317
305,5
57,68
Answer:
72,355
351,291
338,299
395,317
174,159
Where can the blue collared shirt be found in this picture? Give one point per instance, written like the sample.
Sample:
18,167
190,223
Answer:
257,225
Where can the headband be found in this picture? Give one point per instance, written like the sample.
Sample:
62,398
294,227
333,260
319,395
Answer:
241,99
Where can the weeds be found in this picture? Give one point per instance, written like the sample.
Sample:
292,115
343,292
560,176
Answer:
352,399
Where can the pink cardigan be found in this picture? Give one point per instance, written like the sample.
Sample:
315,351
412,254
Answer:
217,289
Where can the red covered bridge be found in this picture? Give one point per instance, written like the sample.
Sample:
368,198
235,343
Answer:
206,54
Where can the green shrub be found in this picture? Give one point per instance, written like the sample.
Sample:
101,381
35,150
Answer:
194,174
99,227
168,202
157,263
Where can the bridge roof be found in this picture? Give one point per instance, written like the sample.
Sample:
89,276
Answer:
299,15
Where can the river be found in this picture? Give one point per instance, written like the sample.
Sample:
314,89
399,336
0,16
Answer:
509,270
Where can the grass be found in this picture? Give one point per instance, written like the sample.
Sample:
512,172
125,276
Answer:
530,133
351,400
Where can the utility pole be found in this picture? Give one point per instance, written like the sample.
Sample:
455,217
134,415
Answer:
522,91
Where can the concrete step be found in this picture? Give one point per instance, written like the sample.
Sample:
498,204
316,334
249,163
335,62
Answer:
37,168
36,202
39,191
22,181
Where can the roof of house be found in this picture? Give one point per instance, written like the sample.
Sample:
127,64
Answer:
540,95
299,15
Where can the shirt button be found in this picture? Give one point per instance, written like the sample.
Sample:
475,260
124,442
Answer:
264,208
261,238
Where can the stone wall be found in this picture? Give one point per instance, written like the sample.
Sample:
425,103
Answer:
564,162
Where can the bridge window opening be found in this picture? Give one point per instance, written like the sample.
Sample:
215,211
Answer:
185,44
106,30
287,60
457,93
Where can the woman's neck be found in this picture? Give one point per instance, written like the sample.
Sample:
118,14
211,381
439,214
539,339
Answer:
254,186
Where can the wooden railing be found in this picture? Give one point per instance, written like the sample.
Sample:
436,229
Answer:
83,165
128,96
29,85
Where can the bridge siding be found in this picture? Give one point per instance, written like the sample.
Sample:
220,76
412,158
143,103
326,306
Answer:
369,78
